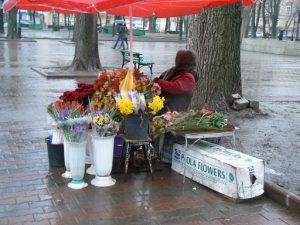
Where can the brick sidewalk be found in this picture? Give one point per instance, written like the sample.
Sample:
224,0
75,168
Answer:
33,193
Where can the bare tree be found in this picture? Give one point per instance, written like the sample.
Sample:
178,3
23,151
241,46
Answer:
264,19
86,50
291,16
255,16
215,36
273,11
246,15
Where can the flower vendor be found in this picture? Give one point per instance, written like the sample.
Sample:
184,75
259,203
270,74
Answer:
178,83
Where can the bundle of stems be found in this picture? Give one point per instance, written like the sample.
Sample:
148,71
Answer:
192,121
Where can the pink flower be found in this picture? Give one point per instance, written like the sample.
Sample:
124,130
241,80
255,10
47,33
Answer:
169,124
167,116
109,93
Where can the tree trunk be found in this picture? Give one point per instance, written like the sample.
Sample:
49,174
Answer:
144,23
180,27
214,35
298,26
33,17
1,20
65,19
246,16
186,26
264,18
74,38
12,24
276,4
167,27
86,50
253,27
258,16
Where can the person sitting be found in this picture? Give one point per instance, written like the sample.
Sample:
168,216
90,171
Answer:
178,83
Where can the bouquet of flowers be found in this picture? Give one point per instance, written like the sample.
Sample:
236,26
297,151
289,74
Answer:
135,103
135,98
107,87
104,121
81,94
203,120
72,118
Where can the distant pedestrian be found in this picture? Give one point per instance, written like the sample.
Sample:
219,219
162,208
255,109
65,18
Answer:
125,34
120,31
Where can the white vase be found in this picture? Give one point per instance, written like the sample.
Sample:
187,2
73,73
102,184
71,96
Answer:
77,164
91,169
88,159
103,148
67,147
57,136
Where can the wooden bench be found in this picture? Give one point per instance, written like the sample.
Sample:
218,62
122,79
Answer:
138,60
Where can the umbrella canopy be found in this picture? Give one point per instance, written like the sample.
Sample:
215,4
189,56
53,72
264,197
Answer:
66,6
31,5
169,8
166,8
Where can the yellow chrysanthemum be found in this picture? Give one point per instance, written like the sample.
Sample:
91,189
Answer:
125,106
156,105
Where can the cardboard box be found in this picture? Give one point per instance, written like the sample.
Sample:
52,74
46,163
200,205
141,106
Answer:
226,171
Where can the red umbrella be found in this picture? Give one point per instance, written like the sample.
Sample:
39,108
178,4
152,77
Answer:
169,8
138,8
166,8
67,6
29,5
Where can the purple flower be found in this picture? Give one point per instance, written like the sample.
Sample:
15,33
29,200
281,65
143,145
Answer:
78,128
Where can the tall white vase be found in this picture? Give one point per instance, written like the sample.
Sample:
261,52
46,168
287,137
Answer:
90,136
88,146
103,148
67,147
77,164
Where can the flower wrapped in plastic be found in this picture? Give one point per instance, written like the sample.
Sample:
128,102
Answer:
136,103
72,118
104,121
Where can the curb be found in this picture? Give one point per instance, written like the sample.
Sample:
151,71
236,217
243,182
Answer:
282,196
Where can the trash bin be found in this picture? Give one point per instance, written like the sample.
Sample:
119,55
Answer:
55,153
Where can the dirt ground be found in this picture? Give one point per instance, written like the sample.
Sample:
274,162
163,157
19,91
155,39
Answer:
273,134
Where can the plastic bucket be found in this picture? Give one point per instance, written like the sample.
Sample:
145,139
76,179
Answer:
55,154
136,127
118,144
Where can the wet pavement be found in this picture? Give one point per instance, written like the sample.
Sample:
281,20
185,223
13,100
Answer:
33,193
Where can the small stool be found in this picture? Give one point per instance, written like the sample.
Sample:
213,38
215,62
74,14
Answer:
146,145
